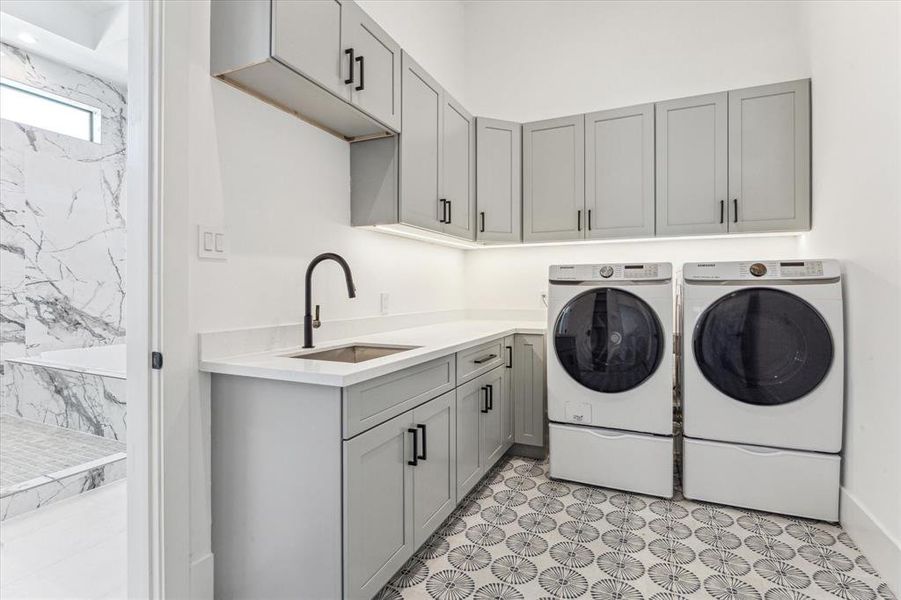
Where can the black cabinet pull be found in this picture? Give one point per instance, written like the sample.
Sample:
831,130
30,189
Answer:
359,88
484,359
722,206
490,396
588,221
421,427
350,63
579,220
482,216
450,216
443,218
484,388
735,212
509,357
414,462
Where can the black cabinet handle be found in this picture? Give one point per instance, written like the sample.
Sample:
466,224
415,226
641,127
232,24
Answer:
421,427
722,206
484,388
414,462
482,216
588,221
735,212
484,359
350,63
359,88
579,220
490,396
509,357
443,218
450,214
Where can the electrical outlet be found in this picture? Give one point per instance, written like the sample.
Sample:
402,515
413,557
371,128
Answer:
211,242
383,303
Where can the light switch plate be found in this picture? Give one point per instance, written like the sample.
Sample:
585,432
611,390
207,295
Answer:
211,243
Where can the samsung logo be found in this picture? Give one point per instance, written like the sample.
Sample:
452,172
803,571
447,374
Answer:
705,265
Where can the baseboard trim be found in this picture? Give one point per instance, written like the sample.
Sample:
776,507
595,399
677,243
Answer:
874,541
202,577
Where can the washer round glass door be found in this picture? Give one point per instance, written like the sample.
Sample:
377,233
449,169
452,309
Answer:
763,346
608,340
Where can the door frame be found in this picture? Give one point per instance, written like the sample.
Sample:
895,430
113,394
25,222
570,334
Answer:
144,443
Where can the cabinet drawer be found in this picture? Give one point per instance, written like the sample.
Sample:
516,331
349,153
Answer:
481,359
372,402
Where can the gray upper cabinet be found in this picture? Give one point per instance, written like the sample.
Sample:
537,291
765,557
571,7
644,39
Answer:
553,187
378,505
458,169
498,180
306,36
292,55
421,149
619,172
769,157
529,389
691,165
372,65
434,476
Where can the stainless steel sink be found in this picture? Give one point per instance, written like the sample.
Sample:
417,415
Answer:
354,353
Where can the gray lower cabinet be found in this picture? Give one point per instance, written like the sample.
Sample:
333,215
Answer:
493,415
434,475
691,155
498,180
509,343
378,505
619,173
471,400
769,157
529,396
553,185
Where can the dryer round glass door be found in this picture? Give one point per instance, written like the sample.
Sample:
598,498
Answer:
763,346
609,340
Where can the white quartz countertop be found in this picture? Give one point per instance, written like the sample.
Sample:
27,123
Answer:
433,341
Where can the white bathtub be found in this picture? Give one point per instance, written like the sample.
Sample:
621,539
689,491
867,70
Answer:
105,361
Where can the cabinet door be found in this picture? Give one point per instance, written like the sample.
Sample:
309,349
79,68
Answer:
434,477
498,180
306,36
375,85
529,390
691,165
507,416
458,172
553,186
471,401
619,172
493,419
378,505
769,157
420,148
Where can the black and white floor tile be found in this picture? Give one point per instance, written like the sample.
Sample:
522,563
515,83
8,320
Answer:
519,535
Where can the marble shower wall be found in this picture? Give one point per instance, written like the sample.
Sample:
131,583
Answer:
62,230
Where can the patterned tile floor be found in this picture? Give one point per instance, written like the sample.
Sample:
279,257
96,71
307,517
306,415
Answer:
519,535
29,450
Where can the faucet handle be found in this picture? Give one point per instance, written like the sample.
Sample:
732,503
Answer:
316,321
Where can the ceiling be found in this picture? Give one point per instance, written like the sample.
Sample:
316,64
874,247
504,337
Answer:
89,35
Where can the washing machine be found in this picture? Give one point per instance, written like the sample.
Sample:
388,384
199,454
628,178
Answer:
763,385
610,374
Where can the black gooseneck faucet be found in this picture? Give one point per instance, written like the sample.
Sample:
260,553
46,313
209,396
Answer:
308,321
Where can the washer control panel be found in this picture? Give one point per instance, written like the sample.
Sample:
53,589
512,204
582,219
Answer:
762,270
612,272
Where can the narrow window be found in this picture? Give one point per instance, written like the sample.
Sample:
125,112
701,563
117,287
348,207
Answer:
31,106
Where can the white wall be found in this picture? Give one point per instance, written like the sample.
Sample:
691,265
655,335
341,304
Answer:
281,188
537,59
854,57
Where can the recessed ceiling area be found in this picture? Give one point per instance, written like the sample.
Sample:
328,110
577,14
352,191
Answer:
90,35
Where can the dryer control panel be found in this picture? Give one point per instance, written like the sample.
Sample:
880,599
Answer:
762,270
612,272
